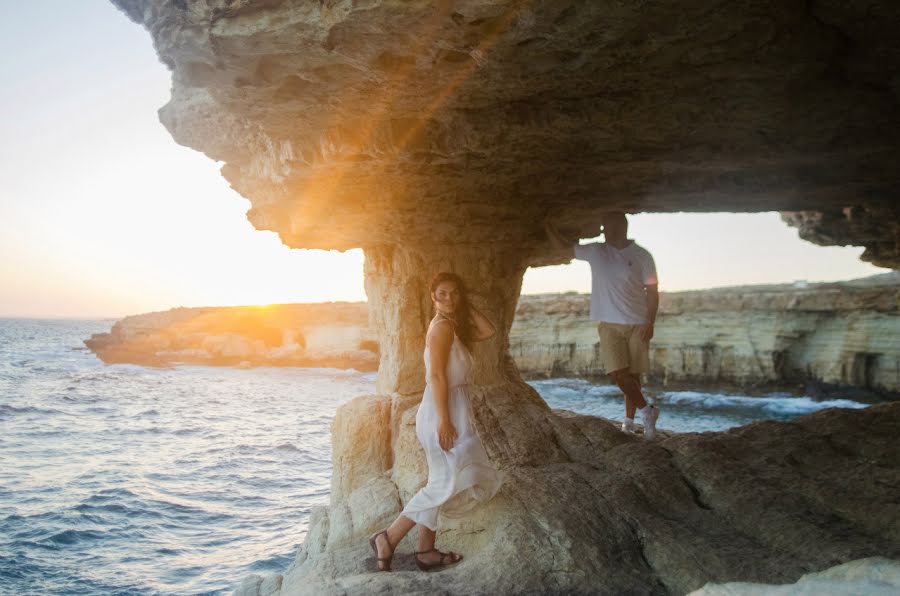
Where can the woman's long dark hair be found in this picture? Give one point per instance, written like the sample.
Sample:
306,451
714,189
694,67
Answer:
462,316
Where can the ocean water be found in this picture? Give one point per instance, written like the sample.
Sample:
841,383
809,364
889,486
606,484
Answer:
684,411
121,479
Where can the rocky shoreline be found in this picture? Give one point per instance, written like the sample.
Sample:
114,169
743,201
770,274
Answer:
439,136
587,509
799,337
327,334
812,338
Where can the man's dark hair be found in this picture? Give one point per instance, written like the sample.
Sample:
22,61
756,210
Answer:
615,214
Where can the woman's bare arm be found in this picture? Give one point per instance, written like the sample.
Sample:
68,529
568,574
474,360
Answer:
484,329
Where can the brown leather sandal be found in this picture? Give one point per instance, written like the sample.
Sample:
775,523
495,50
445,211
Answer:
442,563
385,560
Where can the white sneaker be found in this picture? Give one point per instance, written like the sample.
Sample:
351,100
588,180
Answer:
650,423
628,427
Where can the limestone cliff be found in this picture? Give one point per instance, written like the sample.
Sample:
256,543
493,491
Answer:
845,335
332,334
440,135
835,334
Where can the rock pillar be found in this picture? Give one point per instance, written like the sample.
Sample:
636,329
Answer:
397,282
510,415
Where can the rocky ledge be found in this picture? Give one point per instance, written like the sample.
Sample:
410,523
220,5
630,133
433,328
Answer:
591,510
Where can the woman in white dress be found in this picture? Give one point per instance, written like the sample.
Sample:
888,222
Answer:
460,475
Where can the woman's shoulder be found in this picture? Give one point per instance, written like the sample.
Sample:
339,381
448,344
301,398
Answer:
441,319
438,331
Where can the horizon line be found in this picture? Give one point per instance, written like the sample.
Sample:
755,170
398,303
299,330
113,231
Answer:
34,317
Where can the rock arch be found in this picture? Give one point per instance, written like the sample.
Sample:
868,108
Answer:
440,135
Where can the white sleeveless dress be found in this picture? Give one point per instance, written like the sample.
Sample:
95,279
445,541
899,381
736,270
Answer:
463,476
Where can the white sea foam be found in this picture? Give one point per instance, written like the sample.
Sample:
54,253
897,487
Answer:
773,403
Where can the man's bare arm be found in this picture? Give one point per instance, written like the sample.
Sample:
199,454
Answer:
646,330
560,244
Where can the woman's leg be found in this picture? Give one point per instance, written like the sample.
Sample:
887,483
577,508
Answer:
426,538
426,543
396,531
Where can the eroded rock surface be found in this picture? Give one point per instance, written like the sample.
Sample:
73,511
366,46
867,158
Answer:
356,124
596,511
440,135
831,335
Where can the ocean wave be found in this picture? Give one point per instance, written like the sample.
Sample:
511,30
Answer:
105,508
274,563
775,403
800,405
108,494
205,511
287,447
67,537
181,432
576,387
6,409
152,430
126,503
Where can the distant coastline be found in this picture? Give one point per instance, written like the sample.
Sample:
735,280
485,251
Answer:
813,337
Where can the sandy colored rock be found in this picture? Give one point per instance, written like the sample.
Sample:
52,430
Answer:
361,443
766,503
410,470
833,335
440,136
367,509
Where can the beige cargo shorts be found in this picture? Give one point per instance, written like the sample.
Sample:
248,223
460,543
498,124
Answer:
621,347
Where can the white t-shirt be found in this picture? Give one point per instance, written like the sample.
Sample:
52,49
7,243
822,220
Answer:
618,278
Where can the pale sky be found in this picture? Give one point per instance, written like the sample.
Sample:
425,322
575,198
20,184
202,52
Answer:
102,214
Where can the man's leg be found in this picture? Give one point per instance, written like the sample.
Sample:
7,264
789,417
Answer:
639,360
636,381
631,386
614,352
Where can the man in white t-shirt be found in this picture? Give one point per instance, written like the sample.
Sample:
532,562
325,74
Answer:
624,300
